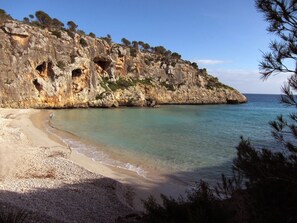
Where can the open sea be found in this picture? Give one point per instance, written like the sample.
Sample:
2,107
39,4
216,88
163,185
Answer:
189,142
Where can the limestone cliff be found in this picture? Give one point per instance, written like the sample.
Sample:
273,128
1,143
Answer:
41,69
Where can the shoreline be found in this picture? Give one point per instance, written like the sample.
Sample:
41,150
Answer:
142,186
37,176
43,177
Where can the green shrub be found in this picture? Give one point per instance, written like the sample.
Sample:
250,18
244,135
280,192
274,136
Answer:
91,34
200,206
213,83
83,42
120,84
4,16
81,32
43,18
146,81
175,55
133,52
195,65
57,33
126,42
70,33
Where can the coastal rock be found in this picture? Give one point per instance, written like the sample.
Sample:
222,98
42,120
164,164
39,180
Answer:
13,28
39,69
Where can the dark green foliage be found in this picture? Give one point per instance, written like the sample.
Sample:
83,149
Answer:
83,42
167,53
263,186
281,16
160,50
146,46
143,46
120,84
26,20
92,35
70,33
4,16
202,72
214,83
195,65
43,18
57,24
271,172
126,42
199,206
175,55
72,26
81,32
146,81
57,33
12,217
108,39
271,180
31,16
135,45
125,83
133,52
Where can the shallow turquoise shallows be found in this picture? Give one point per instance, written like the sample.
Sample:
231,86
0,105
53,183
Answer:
193,141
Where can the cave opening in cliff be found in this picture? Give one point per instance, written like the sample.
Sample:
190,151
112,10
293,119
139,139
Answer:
37,85
41,67
103,63
76,73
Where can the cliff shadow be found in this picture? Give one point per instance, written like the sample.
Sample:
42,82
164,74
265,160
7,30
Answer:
100,199
92,200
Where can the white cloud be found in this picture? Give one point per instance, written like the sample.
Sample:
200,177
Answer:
249,81
211,62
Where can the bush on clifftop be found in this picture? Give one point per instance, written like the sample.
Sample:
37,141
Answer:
263,186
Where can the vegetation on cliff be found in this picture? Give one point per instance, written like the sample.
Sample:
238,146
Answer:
58,66
263,186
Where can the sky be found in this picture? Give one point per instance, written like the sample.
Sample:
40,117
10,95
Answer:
227,37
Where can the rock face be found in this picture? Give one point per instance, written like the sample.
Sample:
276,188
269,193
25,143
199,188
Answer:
40,69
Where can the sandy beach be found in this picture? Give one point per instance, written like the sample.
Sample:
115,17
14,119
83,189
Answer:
53,183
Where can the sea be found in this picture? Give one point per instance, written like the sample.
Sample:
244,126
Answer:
185,142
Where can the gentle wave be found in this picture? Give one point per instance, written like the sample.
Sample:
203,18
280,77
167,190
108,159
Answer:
191,142
92,151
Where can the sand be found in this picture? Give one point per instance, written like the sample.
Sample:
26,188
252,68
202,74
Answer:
53,183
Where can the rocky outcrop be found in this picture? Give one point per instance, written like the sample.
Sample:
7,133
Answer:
41,69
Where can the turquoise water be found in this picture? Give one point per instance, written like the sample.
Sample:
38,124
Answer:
192,141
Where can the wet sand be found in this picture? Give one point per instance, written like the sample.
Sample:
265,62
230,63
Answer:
45,177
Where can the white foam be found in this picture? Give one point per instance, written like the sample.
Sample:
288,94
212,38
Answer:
98,156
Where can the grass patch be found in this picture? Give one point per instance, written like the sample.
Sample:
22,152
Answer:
214,83
122,84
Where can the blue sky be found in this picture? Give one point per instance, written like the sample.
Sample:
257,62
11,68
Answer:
226,37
